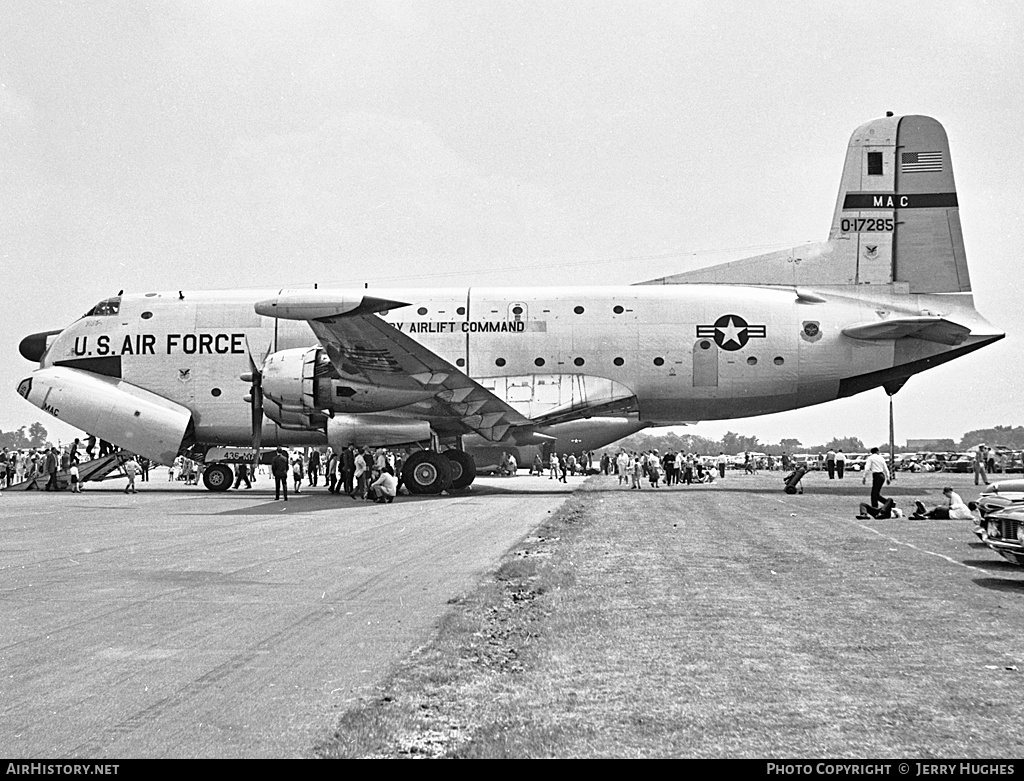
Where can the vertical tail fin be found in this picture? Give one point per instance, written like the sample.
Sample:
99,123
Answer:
897,218
896,221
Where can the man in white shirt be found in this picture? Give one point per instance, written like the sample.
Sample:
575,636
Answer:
722,460
953,509
131,468
879,471
385,486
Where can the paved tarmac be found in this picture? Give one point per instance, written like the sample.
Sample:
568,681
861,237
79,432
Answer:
181,623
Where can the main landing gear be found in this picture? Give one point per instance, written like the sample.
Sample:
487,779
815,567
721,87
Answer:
430,472
425,472
218,477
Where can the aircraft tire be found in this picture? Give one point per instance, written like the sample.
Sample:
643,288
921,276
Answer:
463,468
218,477
427,472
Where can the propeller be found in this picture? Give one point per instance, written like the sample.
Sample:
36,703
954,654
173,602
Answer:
255,398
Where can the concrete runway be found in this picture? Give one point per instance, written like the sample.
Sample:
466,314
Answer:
180,623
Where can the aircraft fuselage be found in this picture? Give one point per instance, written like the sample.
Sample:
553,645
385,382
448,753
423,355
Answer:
686,352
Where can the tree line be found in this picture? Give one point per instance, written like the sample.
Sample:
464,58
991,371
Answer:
35,436
1008,437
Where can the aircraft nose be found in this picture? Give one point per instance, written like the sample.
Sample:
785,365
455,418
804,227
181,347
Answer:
33,348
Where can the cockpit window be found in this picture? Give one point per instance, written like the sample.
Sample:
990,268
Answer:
110,306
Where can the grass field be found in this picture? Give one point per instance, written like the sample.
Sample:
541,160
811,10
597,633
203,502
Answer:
726,620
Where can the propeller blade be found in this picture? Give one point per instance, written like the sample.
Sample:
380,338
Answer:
257,417
255,398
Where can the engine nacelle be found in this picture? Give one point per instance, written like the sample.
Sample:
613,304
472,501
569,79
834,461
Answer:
290,389
375,431
111,409
301,389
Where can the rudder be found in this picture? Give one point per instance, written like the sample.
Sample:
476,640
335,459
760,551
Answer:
930,253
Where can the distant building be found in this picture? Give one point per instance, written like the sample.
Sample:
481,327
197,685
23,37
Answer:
931,444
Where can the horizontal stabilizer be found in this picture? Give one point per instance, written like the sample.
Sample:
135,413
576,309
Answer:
929,328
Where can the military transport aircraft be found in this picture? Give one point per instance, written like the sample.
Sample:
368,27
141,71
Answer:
466,373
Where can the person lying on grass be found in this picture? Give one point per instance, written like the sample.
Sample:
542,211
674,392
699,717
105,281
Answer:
886,511
953,508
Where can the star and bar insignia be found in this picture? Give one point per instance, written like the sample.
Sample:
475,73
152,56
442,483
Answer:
731,332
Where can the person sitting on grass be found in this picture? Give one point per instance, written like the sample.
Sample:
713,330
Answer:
885,512
954,508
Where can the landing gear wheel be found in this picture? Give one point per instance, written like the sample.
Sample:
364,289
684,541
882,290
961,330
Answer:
463,468
218,477
427,472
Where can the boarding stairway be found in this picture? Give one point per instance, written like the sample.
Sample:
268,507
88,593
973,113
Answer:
104,468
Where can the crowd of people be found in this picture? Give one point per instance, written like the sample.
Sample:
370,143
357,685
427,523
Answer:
360,473
634,469
562,466
41,467
376,475
20,465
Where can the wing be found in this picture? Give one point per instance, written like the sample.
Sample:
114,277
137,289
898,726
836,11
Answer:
366,349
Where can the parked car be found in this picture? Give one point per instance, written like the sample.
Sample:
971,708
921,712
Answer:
999,496
1004,533
1013,462
855,462
806,460
964,462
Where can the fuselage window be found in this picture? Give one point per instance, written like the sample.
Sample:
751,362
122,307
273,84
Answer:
779,360
460,362
146,315
538,362
578,310
461,310
579,361
422,310
618,310
618,362
659,361
752,361
215,392
499,362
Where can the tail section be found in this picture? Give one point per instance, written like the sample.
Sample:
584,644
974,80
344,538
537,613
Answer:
896,221
897,218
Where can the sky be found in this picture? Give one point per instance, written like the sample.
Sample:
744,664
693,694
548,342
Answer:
209,145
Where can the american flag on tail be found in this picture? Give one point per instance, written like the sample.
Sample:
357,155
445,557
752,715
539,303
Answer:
921,162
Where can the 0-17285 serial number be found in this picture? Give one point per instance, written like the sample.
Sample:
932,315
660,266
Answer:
867,224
